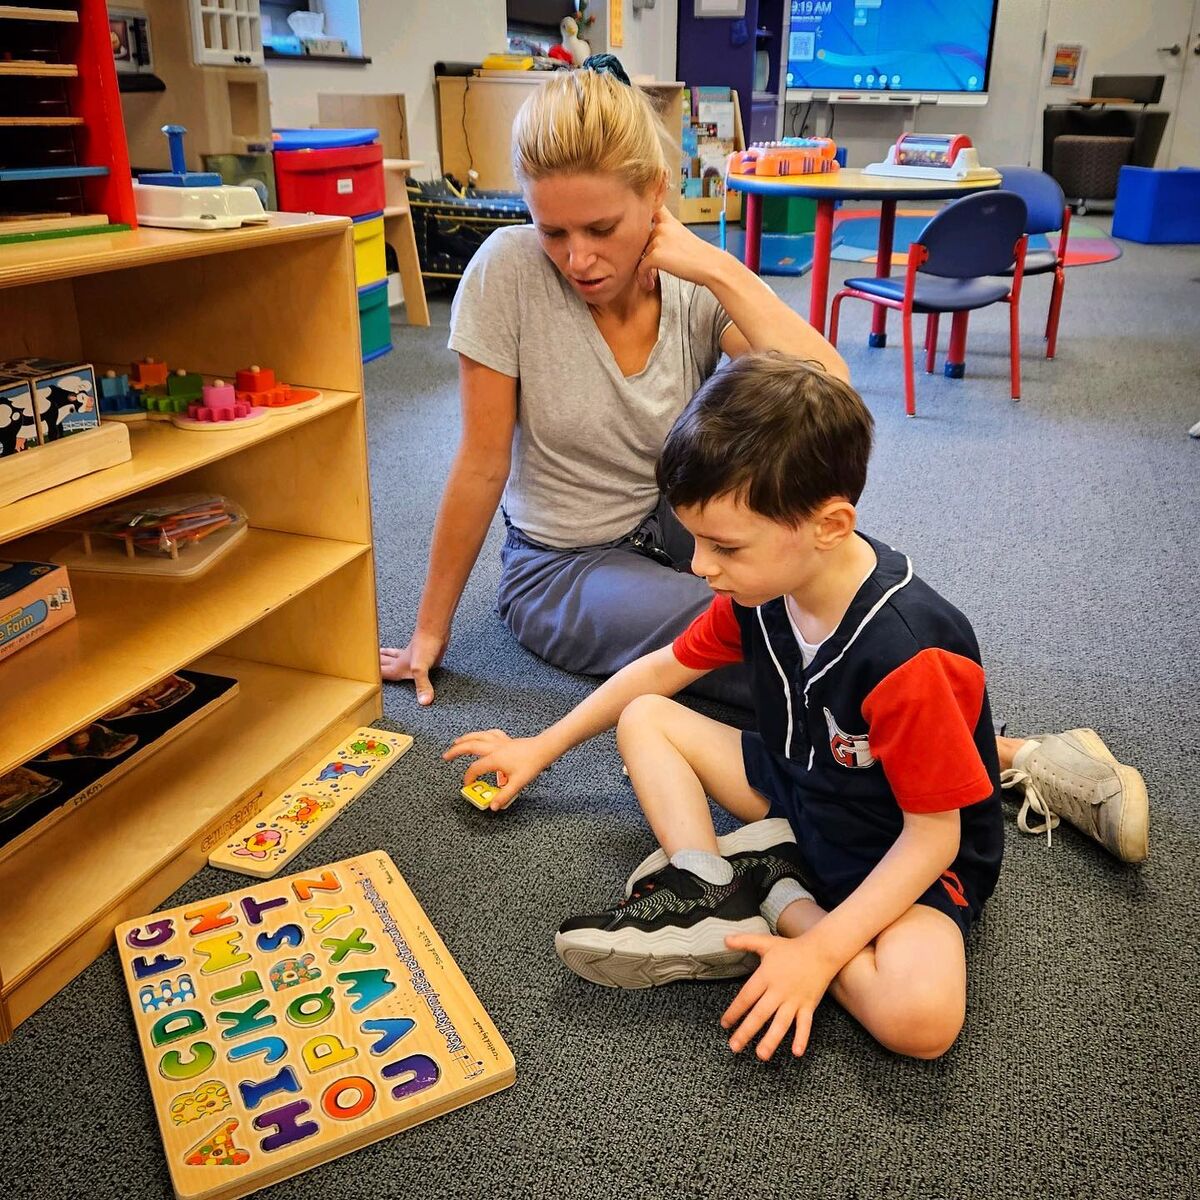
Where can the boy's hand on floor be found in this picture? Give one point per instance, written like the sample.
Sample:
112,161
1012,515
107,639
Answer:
515,761
786,989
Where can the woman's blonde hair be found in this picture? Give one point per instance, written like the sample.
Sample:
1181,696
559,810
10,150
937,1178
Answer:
585,122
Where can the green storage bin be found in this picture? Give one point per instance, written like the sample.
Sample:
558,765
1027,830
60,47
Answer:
374,321
246,170
789,214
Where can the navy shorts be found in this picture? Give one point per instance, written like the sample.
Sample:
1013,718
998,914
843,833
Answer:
834,868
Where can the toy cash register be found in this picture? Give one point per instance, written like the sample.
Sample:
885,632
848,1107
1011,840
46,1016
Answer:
947,156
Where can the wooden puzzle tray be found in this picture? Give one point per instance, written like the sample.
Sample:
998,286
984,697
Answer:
300,1019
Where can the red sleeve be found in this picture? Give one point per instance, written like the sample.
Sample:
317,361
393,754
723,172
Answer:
712,640
921,727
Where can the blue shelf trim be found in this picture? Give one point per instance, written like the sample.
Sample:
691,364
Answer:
16,174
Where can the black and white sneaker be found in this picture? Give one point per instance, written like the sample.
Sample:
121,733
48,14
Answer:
672,926
745,841
767,867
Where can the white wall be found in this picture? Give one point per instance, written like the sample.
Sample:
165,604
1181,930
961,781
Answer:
403,38
650,36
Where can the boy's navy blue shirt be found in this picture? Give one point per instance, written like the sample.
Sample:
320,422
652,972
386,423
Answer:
891,715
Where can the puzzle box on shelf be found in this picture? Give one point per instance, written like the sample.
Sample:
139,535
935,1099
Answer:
947,156
35,597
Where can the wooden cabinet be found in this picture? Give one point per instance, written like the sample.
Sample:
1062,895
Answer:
290,612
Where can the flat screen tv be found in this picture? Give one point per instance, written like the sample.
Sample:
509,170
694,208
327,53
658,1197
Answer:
537,14
876,47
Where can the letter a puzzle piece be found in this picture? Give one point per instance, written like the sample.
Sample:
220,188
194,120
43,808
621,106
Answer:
218,1149
310,805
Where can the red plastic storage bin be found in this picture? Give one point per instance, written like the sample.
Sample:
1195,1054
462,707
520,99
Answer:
346,181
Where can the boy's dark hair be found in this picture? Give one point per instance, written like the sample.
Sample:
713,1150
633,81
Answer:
780,434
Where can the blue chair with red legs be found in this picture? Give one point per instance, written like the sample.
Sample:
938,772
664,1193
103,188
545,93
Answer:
1048,212
953,267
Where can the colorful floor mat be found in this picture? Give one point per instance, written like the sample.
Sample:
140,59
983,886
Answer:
856,238
780,253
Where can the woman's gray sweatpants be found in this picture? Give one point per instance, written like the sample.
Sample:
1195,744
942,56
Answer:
595,609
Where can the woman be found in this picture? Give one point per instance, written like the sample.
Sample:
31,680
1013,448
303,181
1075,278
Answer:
605,316
607,313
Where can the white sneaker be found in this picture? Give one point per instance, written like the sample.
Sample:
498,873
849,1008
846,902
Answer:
1075,775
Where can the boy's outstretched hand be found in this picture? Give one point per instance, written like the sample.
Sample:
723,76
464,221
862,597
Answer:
786,989
515,761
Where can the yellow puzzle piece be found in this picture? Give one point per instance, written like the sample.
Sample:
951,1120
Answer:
480,793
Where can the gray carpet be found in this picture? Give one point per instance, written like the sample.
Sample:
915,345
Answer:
1068,528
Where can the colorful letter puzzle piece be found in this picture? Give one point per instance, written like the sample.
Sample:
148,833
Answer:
269,841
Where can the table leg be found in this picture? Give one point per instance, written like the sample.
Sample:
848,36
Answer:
956,356
883,268
752,253
822,249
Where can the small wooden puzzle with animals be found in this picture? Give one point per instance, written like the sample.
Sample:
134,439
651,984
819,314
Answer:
299,1019
268,842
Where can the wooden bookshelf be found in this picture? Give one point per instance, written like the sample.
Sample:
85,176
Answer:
39,122
12,12
290,612
39,70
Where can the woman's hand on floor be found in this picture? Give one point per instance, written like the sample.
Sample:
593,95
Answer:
414,661
515,761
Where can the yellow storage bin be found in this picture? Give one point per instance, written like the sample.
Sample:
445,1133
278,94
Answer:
370,259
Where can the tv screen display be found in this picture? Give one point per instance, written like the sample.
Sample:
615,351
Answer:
890,45
545,14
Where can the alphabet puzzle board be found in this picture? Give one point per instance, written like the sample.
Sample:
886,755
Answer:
299,1019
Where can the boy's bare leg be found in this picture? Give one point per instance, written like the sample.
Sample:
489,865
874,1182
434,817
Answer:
908,988
676,758
676,925
1006,747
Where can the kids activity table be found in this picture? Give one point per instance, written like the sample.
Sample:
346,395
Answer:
826,190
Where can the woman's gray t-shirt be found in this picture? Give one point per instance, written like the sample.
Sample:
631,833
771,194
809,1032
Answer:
587,437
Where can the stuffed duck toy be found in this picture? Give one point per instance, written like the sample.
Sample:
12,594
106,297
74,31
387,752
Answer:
578,49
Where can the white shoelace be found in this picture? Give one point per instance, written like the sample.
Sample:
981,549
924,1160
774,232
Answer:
1033,802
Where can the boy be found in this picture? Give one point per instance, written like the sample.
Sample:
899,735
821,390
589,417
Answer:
870,793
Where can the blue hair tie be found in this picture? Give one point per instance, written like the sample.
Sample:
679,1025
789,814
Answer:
607,64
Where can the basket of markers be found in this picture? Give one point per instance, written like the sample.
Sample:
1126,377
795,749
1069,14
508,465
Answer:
173,536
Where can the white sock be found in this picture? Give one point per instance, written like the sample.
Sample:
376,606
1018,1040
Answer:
785,892
712,868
